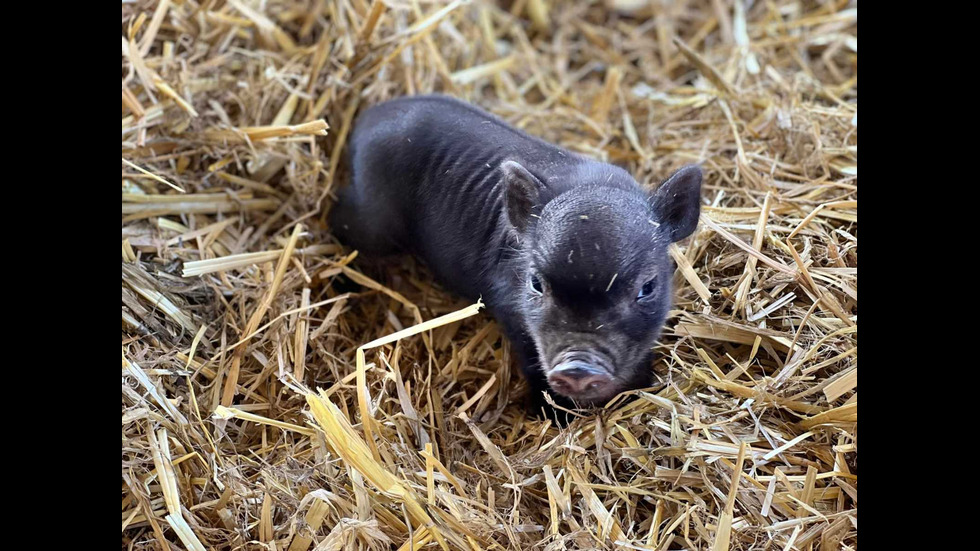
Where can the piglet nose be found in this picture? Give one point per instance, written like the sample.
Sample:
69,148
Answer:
577,377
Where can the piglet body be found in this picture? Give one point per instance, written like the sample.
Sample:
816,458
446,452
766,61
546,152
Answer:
568,253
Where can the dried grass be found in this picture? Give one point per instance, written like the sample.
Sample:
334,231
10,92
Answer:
256,417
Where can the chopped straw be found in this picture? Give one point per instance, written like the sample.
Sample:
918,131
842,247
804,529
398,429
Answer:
282,391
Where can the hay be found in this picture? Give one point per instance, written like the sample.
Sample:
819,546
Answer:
256,417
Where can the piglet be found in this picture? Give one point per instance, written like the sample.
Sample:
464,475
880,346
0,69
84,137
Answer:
568,253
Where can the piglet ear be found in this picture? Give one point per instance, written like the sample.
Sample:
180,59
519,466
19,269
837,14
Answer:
677,203
522,193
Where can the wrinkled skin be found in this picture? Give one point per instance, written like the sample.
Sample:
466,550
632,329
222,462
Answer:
568,253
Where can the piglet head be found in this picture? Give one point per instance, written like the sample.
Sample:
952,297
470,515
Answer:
596,271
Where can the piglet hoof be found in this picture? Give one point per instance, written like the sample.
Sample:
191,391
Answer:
543,406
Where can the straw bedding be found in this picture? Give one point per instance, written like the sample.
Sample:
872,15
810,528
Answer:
254,416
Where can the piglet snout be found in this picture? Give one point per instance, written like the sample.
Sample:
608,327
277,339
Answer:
579,378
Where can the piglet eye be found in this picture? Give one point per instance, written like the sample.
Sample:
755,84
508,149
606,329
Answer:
647,289
534,283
